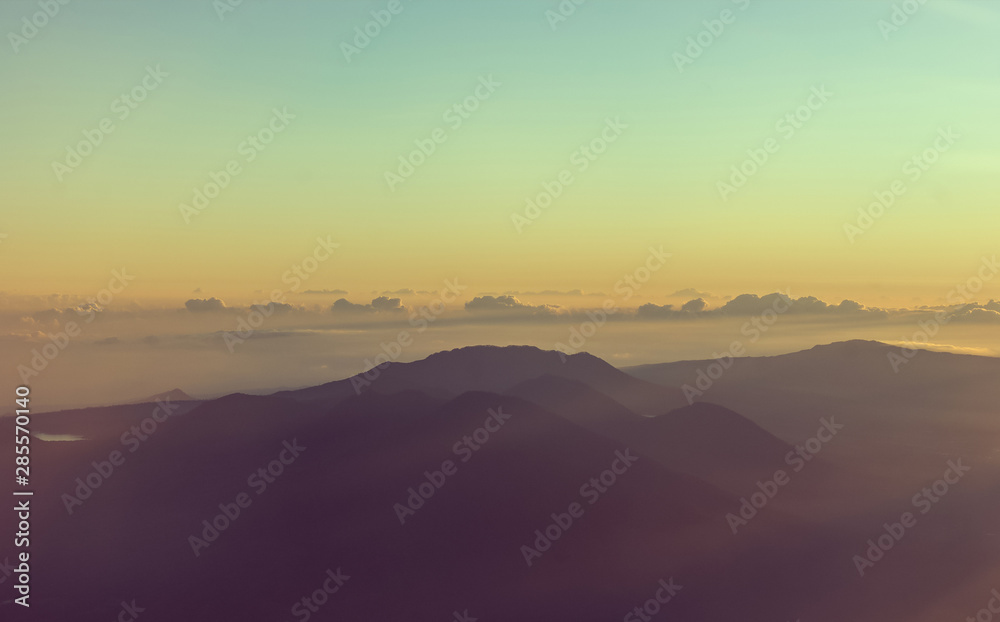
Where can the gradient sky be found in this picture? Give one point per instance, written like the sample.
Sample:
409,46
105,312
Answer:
655,185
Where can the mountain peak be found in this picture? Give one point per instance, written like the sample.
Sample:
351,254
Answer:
851,347
508,352
175,395
854,343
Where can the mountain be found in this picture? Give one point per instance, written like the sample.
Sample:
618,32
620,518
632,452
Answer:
543,496
109,422
705,440
849,370
336,507
496,369
903,417
175,395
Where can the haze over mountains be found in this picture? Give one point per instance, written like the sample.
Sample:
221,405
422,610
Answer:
895,403
435,487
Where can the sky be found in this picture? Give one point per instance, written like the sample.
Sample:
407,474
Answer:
555,84
167,164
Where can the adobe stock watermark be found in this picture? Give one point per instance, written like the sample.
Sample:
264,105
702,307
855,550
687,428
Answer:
580,160
222,7
914,168
129,611
713,30
626,287
666,591
6,570
797,459
961,294
230,512
786,128
132,439
40,358
370,30
33,24
987,613
900,16
249,149
421,320
121,107
563,11
309,605
753,328
259,312
592,491
454,118
464,448
925,501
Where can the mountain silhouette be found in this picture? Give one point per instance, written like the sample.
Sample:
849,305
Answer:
496,369
434,487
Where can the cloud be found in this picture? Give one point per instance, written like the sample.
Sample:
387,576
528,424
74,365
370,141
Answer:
380,304
344,305
751,304
988,313
850,306
746,305
690,309
399,292
695,306
654,311
976,315
506,304
202,305
944,347
689,292
387,304
492,303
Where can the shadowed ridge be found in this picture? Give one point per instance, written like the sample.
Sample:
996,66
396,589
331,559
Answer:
409,400
174,395
852,344
574,401
705,438
496,369
845,370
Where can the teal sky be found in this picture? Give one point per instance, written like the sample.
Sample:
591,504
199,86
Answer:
657,185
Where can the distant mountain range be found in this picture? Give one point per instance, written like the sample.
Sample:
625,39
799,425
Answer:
516,484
